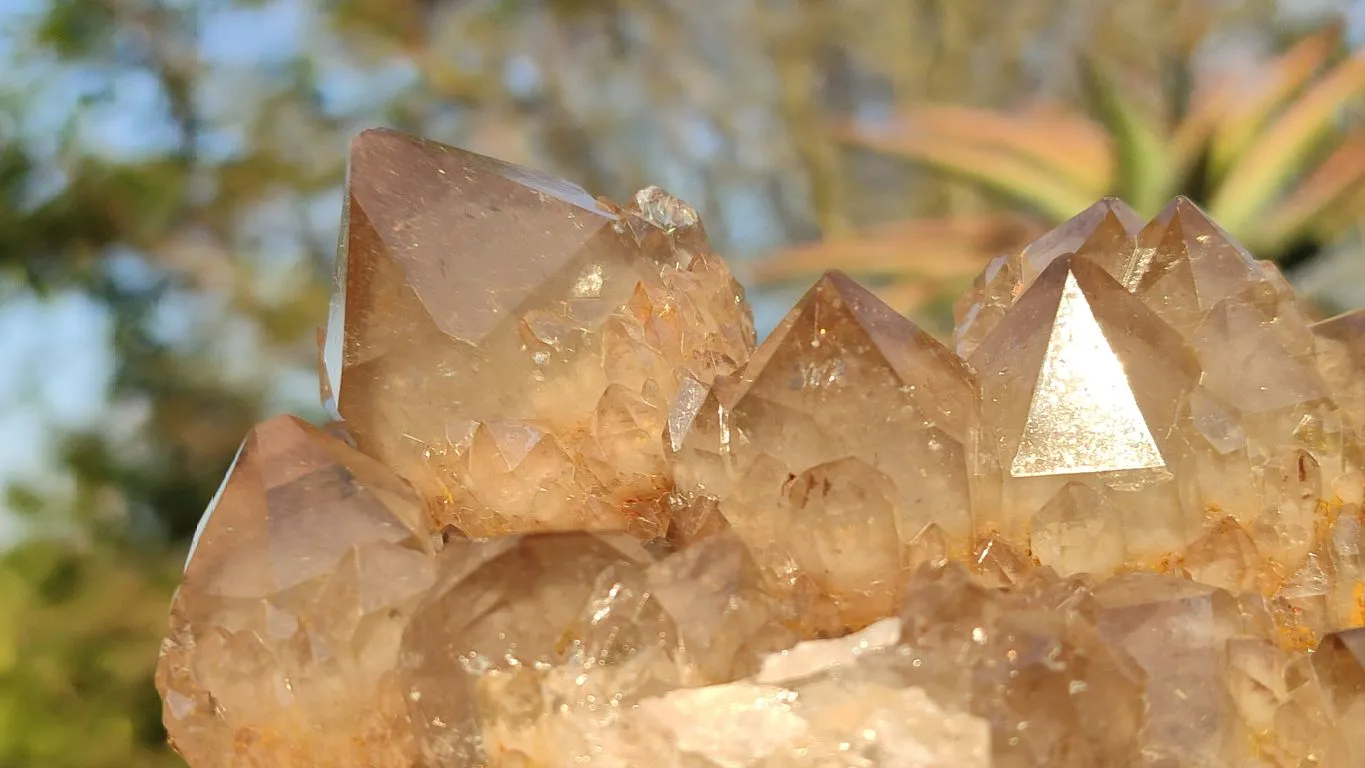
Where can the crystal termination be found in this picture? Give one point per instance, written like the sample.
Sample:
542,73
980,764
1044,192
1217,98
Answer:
570,514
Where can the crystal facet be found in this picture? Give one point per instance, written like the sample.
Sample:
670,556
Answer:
571,516
804,480
284,634
457,271
1081,383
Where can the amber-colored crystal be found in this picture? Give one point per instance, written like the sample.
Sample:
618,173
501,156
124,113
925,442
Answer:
570,516
1105,232
812,487
1340,344
511,345
284,634
1082,384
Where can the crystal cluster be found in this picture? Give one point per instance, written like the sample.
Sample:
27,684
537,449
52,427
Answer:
570,515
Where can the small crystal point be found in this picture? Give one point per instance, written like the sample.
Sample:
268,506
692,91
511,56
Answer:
1187,264
471,291
1105,229
1081,382
797,470
1104,232
309,544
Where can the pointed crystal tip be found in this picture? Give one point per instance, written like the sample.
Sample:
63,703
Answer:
574,510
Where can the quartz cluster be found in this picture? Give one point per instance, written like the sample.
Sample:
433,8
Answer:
570,514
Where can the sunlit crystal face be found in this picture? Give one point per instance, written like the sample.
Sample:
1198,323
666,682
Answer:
574,515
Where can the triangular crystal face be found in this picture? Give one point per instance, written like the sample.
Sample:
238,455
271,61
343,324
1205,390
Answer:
805,478
1084,416
1081,377
839,326
1104,232
1082,383
1186,264
470,291
440,216
294,502
438,239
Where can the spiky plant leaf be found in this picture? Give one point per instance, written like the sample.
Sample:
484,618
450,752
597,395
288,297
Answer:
1141,153
1256,97
1308,204
999,167
924,250
1276,156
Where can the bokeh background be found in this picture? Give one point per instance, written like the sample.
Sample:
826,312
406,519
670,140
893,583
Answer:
170,177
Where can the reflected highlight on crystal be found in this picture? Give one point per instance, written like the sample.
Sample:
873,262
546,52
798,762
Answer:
571,514
1083,417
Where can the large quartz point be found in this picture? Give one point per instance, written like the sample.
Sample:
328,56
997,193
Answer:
1081,395
284,634
570,515
511,345
820,494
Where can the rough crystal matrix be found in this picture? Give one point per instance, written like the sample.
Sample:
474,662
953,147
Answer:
571,516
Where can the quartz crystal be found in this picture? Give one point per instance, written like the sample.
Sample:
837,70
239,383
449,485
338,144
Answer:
511,345
570,515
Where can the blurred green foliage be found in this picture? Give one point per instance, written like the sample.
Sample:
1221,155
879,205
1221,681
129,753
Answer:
179,164
75,660
1272,148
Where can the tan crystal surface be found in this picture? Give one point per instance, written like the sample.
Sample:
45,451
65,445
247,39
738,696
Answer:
284,634
820,494
511,345
1105,232
1128,531
1340,348
1082,384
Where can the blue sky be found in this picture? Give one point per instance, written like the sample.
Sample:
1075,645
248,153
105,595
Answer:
56,359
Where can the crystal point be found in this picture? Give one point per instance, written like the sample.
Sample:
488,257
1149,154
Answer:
1082,382
309,545
790,461
1104,232
457,269
571,514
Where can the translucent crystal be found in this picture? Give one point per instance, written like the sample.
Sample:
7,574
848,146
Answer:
457,270
1104,232
284,633
1340,347
807,482
1129,531
1081,383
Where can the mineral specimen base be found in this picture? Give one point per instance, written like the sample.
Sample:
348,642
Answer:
571,515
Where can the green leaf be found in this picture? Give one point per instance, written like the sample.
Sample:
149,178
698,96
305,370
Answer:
993,167
1277,155
1140,148
1258,97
